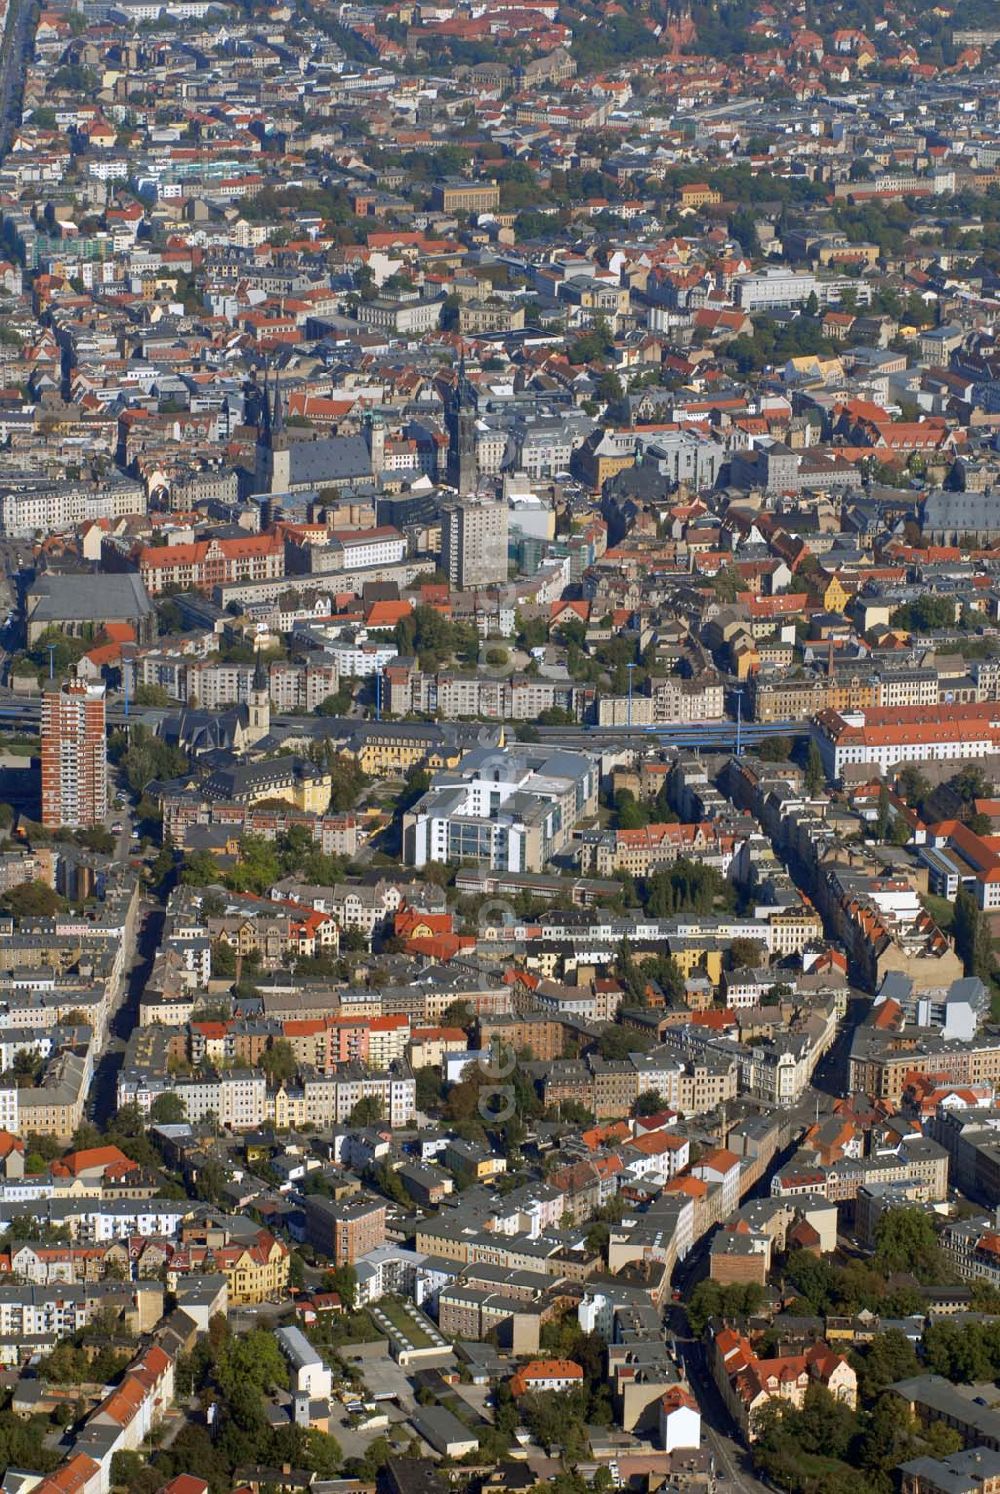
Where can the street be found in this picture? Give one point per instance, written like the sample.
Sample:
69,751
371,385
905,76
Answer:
124,1018
14,51
732,1461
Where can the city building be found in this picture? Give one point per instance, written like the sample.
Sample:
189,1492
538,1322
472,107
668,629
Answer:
345,1231
474,543
507,811
74,756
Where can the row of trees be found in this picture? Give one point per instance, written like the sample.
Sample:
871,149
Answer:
234,1373
823,1447
636,976
145,758
905,1244
686,887
434,639
263,862
965,1352
635,814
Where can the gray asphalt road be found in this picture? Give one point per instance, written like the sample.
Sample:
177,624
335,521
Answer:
732,1461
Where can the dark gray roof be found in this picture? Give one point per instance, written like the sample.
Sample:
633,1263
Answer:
239,778
108,597
333,459
963,511
198,730
440,1428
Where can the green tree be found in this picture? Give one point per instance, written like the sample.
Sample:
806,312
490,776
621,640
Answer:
32,900
323,1454
929,613
650,1102
905,1241
223,959
617,1042
258,866
685,887
941,1439
279,1062
631,815
815,777
973,942
970,784
344,1281
168,1109
200,869
458,1013
367,1112
882,818
745,953
151,695
609,387
914,787
347,783
889,1357
428,1089
891,1437
710,1299
145,758
814,1279
252,1360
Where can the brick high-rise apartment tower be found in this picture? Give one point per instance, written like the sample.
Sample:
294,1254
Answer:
74,756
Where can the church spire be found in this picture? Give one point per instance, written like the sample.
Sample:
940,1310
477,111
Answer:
277,418
264,419
464,387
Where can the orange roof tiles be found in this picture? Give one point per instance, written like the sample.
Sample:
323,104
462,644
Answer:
719,1159
166,557
89,1160
540,1370
70,1477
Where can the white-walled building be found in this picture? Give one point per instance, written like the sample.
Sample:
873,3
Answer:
309,1373
680,1420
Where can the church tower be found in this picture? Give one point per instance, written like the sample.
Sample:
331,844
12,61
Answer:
262,449
259,708
463,466
375,437
272,458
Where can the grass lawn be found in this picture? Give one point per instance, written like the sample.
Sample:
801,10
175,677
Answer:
809,1466
405,1325
940,909
820,1467
337,1328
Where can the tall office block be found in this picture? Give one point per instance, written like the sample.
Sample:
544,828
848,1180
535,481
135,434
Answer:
74,756
474,544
